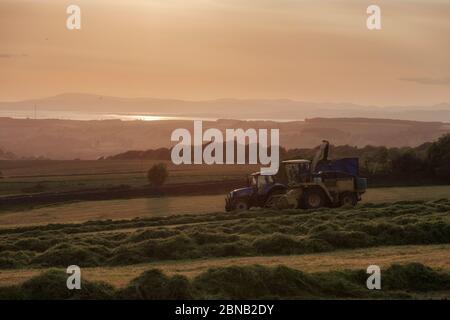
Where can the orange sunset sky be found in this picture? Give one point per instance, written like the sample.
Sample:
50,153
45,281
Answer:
308,50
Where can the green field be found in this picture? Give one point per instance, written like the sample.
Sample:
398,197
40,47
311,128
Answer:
196,245
27,177
435,256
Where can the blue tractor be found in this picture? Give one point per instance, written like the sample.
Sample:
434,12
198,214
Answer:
261,191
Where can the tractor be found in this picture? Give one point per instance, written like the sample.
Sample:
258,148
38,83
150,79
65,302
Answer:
261,191
322,182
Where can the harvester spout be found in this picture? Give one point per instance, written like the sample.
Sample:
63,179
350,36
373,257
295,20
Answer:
321,154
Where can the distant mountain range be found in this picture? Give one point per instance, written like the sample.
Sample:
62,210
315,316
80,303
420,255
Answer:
249,109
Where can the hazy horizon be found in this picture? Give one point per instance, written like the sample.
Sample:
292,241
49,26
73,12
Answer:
221,98
72,106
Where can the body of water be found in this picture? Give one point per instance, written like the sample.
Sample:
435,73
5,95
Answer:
86,116
71,115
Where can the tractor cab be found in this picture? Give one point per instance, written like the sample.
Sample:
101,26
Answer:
258,191
297,171
260,183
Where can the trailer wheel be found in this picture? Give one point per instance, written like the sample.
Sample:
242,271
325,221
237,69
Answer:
313,199
348,199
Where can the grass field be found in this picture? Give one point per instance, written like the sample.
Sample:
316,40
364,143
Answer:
435,256
326,240
250,235
28,177
213,235
203,252
154,207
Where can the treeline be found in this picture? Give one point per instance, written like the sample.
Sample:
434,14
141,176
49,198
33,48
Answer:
427,163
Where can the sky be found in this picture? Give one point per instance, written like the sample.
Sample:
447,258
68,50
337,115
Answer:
307,50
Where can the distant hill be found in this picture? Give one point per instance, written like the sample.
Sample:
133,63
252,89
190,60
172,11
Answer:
246,109
68,139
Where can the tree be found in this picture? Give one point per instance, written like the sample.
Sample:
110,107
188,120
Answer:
407,162
376,159
157,174
439,156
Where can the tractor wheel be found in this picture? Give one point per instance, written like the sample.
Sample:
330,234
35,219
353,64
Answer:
348,199
313,199
273,198
271,202
241,205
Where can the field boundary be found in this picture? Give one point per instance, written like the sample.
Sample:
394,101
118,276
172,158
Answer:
122,192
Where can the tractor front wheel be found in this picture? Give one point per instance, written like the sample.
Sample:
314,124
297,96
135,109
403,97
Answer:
241,205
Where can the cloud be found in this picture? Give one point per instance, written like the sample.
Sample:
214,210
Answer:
429,81
12,55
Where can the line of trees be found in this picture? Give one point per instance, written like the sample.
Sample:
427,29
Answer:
429,162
